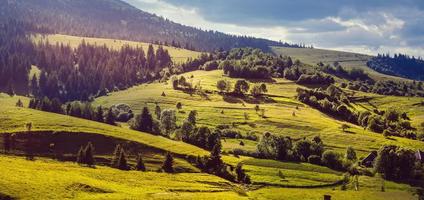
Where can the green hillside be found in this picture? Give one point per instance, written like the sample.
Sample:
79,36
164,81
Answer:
307,122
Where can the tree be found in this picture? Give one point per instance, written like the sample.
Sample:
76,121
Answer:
110,117
221,85
116,154
144,122
303,148
122,161
140,163
215,161
257,108
350,153
168,163
99,114
395,163
168,121
81,156
89,154
241,87
241,174
157,111
187,129
19,103
192,117
179,106
331,159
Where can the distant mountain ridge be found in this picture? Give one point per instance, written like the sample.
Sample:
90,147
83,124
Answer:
120,20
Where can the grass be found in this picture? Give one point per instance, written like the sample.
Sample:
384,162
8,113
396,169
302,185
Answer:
63,180
178,55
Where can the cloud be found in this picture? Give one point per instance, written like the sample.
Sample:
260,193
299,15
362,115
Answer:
366,26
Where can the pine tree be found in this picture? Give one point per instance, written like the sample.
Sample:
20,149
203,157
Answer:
122,161
140,163
81,156
146,120
89,154
116,154
157,111
215,158
168,163
19,103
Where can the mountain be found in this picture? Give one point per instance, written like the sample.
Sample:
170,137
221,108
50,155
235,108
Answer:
120,20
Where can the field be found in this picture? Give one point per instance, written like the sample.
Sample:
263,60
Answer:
178,55
346,59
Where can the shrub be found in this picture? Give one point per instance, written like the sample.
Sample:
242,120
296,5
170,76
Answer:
331,159
314,159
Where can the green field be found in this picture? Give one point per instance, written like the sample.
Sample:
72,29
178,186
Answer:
178,55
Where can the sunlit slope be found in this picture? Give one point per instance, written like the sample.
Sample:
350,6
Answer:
345,59
214,109
178,55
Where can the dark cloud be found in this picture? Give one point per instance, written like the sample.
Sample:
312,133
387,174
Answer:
280,12
376,25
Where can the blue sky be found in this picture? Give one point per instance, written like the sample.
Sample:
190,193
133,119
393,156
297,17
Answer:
366,26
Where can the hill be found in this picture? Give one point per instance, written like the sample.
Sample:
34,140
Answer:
119,20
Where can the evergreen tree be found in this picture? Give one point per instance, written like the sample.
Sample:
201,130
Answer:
122,161
19,103
116,154
140,163
192,117
81,156
168,163
215,158
34,86
146,121
89,155
157,111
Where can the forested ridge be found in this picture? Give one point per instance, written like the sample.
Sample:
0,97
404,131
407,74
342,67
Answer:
398,65
116,19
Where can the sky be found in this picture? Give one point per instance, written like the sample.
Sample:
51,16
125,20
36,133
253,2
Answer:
363,26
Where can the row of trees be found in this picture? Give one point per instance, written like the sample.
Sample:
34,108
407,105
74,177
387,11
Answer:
241,87
388,87
285,149
335,102
76,109
119,160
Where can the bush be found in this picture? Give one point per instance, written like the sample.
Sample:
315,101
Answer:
331,159
314,159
